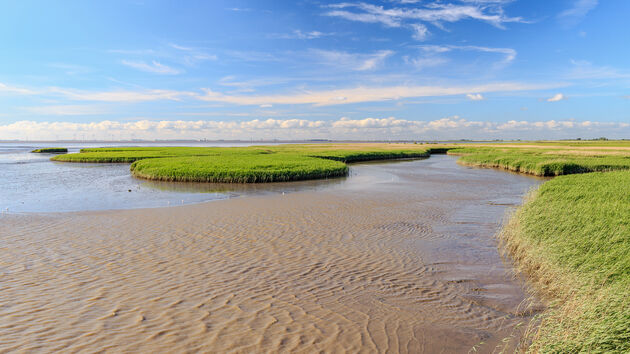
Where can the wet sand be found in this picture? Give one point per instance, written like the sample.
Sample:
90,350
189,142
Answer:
403,260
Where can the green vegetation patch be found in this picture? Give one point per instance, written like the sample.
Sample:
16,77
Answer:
543,162
55,150
246,168
573,238
254,164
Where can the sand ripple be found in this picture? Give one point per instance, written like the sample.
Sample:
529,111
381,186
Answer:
387,267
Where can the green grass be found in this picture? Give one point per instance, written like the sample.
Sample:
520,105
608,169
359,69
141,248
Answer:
255,164
573,239
577,143
246,168
55,150
543,162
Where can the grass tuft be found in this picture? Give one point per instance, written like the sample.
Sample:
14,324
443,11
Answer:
50,150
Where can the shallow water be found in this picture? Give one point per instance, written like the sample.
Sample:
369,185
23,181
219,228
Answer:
32,183
399,257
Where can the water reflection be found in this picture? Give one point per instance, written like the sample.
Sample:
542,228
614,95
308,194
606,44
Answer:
240,188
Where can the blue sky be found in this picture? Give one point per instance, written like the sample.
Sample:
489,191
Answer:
392,69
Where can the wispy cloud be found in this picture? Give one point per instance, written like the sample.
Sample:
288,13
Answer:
577,12
582,69
556,98
120,96
152,67
250,85
254,56
420,31
240,9
425,62
509,54
314,97
190,55
15,90
475,96
298,34
64,110
435,55
369,94
435,13
70,69
352,61
152,60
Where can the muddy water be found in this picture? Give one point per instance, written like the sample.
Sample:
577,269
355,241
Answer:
400,260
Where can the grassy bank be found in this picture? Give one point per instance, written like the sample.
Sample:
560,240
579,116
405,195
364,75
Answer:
255,164
50,150
573,239
245,169
544,161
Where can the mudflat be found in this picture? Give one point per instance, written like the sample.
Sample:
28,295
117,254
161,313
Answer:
404,260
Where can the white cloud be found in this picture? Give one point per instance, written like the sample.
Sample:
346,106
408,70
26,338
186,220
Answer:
556,98
102,96
577,12
145,59
344,128
352,61
509,54
153,67
64,110
15,90
240,9
298,34
323,97
435,55
191,56
369,16
121,96
372,123
475,96
369,94
427,61
70,69
582,69
435,13
420,31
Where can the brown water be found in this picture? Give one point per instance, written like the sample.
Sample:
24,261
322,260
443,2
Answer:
402,260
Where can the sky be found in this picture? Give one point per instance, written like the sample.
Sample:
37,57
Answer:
367,70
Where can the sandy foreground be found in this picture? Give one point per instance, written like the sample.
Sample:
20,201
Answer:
404,261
